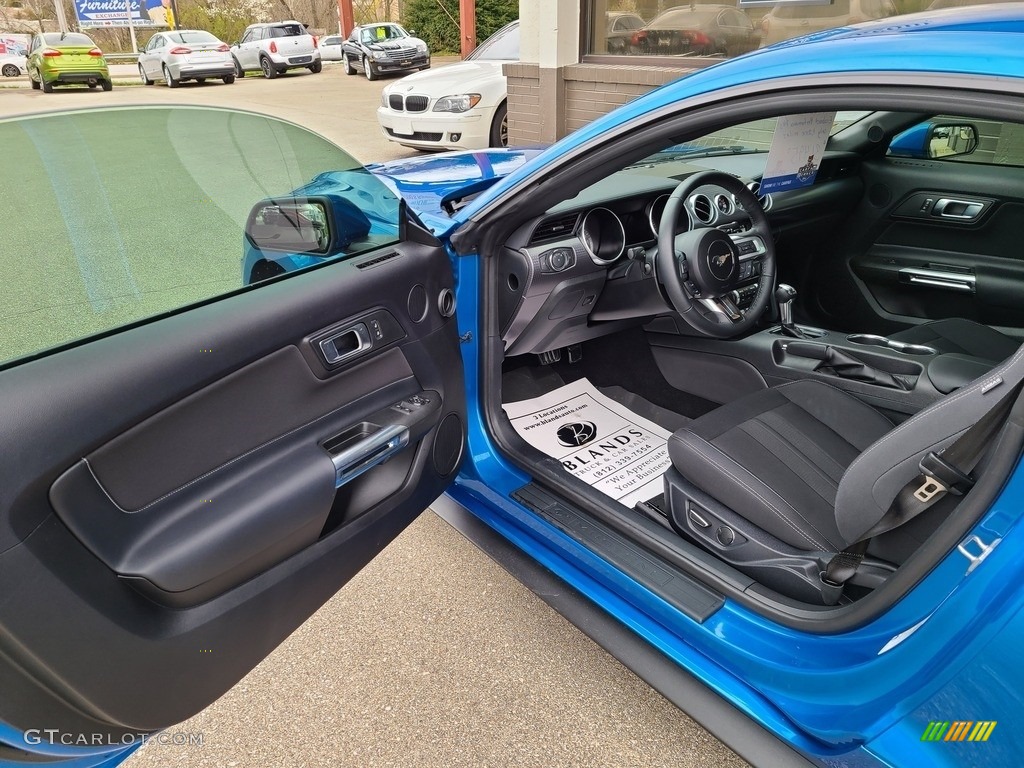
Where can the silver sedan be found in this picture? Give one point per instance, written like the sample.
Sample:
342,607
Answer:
185,54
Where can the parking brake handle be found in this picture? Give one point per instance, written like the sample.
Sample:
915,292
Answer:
835,362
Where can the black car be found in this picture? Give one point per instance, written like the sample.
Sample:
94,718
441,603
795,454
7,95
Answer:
385,47
698,30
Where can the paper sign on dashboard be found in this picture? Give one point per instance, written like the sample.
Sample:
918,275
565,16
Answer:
797,147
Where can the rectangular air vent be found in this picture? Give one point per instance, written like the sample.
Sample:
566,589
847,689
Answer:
557,228
377,260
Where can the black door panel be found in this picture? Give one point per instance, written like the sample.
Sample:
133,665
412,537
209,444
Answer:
170,515
931,239
249,409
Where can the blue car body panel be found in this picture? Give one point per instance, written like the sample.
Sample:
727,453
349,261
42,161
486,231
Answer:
945,652
427,183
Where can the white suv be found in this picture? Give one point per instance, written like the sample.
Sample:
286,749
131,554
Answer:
275,48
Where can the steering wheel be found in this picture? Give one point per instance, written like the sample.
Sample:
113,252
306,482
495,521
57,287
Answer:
701,267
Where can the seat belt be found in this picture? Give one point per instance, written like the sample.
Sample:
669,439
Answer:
948,471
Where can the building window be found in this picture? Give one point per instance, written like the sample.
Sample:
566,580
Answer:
698,33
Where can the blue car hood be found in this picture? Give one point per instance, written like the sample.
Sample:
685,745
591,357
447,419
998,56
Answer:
942,42
426,182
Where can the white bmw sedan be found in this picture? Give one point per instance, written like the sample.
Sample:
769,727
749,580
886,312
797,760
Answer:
459,106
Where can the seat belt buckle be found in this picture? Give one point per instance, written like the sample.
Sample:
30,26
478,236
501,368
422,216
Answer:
929,489
941,476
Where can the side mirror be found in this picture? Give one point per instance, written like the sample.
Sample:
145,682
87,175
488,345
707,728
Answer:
931,140
318,226
952,140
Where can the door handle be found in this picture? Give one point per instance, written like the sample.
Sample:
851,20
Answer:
348,343
376,448
934,278
961,210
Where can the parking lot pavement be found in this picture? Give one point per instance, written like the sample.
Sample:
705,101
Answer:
339,107
433,655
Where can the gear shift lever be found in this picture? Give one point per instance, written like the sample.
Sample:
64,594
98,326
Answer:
784,295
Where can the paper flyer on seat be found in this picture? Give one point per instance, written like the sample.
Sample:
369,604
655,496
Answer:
597,439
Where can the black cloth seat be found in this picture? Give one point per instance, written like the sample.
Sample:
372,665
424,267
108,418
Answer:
776,457
962,337
779,480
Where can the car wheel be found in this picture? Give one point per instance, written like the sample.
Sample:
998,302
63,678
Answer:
10,70
269,70
171,82
368,69
239,72
33,82
107,85
47,87
499,126
228,80
349,69
316,67
144,77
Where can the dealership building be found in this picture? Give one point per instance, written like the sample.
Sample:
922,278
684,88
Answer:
567,75
582,58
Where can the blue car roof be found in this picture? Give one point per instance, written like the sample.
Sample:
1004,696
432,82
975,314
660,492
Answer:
981,41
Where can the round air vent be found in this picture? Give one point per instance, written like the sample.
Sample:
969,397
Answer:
764,200
446,302
703,209
448,445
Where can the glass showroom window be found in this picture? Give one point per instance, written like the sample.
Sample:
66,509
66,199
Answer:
702,30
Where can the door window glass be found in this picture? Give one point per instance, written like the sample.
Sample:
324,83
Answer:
131,213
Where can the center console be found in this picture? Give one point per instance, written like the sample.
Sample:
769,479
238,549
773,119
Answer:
891,375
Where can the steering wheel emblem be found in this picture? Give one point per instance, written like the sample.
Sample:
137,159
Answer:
720,260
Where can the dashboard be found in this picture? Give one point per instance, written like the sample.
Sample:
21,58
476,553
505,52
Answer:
586,266
581,265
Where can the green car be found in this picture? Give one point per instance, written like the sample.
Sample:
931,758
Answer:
59,59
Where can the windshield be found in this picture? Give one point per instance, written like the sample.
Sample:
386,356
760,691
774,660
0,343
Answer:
380,32
503,45
745,138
